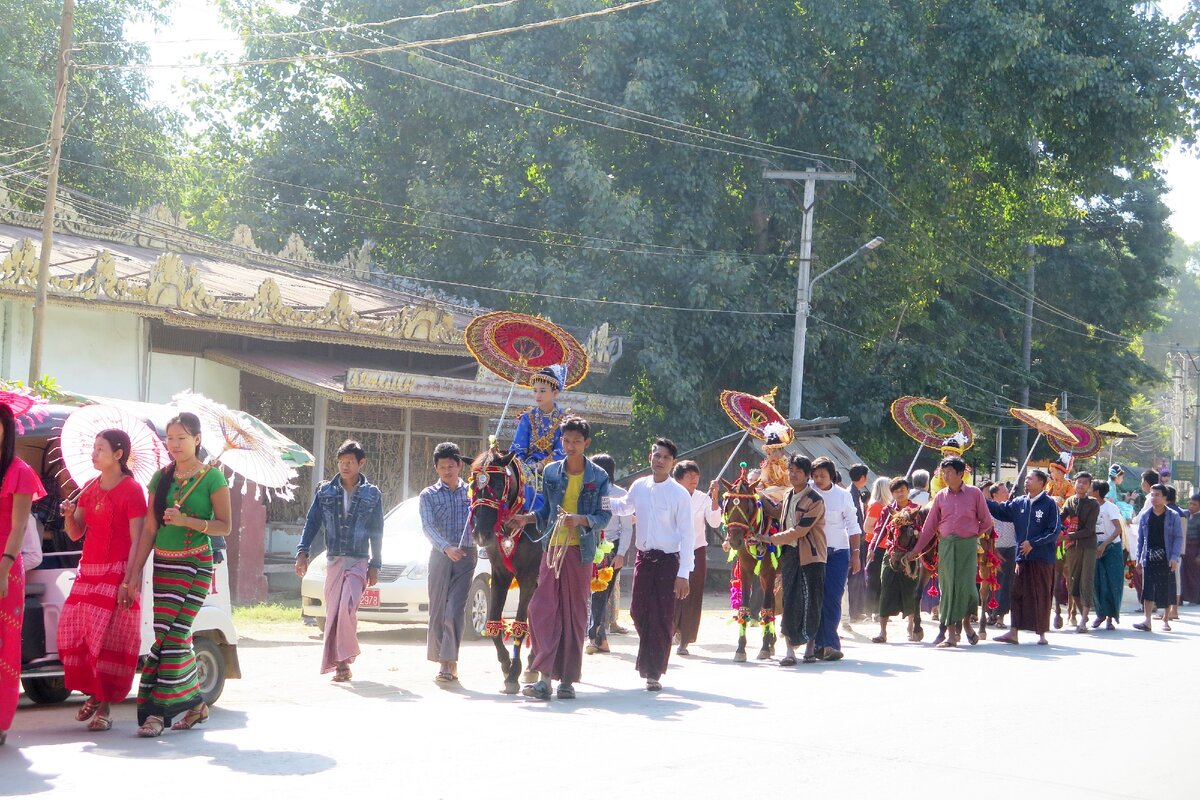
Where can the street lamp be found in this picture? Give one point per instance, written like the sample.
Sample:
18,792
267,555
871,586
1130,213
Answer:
804,289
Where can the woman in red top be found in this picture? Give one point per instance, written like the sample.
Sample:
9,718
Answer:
19,488
100,631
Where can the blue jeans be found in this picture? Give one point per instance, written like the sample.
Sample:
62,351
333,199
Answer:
837,569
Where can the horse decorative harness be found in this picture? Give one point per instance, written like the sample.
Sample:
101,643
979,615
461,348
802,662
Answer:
479,496
750,527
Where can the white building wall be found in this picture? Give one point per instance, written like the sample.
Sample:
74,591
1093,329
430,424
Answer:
103,353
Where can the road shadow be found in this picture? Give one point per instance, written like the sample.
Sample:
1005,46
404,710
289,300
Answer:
190,744
669,705
379,691
19,777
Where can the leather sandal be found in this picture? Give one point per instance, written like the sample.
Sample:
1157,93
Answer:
152,727
100,723
87,710
192,718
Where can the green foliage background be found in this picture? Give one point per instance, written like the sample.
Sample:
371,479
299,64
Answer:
977,128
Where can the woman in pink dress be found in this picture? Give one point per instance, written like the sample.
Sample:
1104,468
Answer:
19,488
100,632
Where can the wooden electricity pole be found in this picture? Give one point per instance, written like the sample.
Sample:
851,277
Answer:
56,135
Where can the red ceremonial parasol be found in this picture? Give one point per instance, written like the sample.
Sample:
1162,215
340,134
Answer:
756,416
236,443
23,402
753,413
78,437
932,424
516,346
1089,442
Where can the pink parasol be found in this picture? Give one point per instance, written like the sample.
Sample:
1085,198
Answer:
23,402
234,442
79,432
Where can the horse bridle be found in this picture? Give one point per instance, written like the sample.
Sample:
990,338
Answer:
753,520
478,497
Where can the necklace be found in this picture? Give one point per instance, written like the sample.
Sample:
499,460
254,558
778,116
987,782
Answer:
180,478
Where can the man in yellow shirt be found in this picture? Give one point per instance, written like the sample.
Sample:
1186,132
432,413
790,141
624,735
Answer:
570,521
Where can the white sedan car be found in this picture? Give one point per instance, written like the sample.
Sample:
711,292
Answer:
402,593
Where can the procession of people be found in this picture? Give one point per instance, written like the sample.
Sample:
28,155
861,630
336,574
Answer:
980,554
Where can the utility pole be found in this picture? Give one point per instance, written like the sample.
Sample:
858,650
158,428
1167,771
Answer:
56,136
810,178
1192,354
1027,349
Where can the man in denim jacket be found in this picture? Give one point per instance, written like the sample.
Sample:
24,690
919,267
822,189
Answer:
575,511
350,512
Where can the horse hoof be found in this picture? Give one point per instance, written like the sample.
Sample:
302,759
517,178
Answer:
511,688
763,655
739,657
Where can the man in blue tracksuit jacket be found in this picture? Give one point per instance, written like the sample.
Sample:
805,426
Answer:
1034,515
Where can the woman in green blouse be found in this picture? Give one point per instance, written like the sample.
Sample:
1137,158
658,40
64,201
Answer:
190,504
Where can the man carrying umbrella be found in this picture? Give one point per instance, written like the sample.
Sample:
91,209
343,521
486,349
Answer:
959,516
1035,517
350,512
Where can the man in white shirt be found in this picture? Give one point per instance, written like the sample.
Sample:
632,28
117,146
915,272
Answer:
1109,587
706,511
665,538
842,535
920,492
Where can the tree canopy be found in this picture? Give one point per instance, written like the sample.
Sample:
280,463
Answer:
618,162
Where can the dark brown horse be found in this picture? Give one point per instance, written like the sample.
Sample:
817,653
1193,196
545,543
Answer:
497,493
745,521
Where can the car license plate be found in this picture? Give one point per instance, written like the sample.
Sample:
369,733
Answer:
370,599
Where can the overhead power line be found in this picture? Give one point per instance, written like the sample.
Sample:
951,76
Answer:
349,26
333,56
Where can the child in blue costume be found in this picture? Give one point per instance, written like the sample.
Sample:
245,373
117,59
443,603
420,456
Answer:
538,440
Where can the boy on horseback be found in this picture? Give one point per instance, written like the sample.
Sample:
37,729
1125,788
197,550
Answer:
538,439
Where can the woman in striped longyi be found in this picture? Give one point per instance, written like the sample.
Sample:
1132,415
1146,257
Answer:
191,503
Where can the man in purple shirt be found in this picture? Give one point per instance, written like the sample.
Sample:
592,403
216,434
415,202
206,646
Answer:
959,516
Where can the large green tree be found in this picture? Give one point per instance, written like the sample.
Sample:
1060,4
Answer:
119,146
976,129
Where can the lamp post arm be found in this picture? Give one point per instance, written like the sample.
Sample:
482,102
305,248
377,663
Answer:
843,262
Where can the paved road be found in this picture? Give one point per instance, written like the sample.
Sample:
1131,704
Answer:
1104,715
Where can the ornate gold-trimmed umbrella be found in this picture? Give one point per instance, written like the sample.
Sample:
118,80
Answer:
1113,430
1046,423
515,346
1089,442
757,416
932,423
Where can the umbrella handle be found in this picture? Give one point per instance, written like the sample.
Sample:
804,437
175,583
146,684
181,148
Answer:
1029,455
920,448
508,400
728,461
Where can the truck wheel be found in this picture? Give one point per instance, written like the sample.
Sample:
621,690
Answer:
210,664
475,612
45,691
